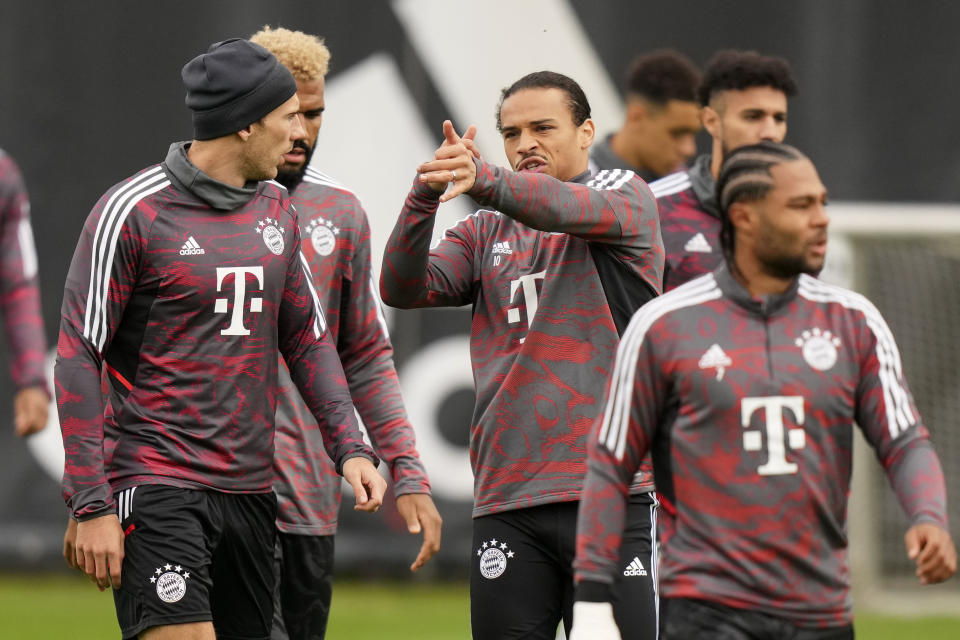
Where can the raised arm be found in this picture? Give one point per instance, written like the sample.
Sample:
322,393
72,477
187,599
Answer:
615,208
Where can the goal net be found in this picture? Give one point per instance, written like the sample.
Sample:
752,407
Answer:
906,259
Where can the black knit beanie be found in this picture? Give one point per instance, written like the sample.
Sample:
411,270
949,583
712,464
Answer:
232,85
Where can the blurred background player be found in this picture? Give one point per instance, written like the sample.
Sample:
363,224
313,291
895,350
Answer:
20,303
751,428
553,270
336,243
658,135
744,97
186,282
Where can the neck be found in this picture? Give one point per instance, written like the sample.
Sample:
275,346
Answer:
755,279
716,158
218,159
620,146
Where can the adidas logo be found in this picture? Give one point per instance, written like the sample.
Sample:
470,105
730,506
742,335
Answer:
715,358
698,244
502,247
191,248
635,568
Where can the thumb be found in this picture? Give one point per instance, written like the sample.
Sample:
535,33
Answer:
413,524
359,491
409,514
449,133
914,542
471,132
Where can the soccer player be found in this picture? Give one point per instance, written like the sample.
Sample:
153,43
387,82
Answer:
186,282
744,97
337,246
746,384
20,303
552,269
658,135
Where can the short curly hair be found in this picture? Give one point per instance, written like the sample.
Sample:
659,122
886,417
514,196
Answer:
663,75
304,55
738,70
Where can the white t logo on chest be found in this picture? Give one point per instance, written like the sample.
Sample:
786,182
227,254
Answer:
529,299
777,437
236,327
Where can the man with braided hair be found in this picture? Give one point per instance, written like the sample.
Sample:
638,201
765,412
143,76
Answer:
745,384
337,245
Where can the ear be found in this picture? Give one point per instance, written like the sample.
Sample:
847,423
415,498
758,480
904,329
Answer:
636,111
711,120
585,133
246,132
743,216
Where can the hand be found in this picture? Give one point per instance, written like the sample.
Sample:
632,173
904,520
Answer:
420,514
453,164
99,547
932,549
594,621
368,485
70,544
30,410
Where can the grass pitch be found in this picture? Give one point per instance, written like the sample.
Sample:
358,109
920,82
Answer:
70,608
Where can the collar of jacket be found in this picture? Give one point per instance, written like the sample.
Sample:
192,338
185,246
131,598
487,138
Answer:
218,195
704,185
765,306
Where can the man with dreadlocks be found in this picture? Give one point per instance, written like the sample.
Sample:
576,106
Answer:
745,384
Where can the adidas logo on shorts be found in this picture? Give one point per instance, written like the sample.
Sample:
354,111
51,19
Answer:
635,568
191,248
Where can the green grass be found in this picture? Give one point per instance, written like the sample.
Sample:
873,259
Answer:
70,608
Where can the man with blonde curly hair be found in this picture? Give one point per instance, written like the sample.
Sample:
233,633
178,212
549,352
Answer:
337,244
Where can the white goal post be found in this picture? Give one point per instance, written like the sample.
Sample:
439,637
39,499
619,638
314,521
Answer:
906,259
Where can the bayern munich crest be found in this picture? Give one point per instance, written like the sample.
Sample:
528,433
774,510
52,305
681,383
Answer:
272,234
171,582
819,348
493,558
323,235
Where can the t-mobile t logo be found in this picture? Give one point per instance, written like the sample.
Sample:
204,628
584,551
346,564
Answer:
236,327
774,407
528,300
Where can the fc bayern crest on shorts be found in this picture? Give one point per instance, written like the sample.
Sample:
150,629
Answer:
171,582
819,348
323,235
493,558
271,233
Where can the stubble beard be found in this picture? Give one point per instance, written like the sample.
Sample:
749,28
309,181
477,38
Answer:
291,178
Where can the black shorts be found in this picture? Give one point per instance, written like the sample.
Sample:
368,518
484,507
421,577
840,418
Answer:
304,573
688,619
521,576
194,556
